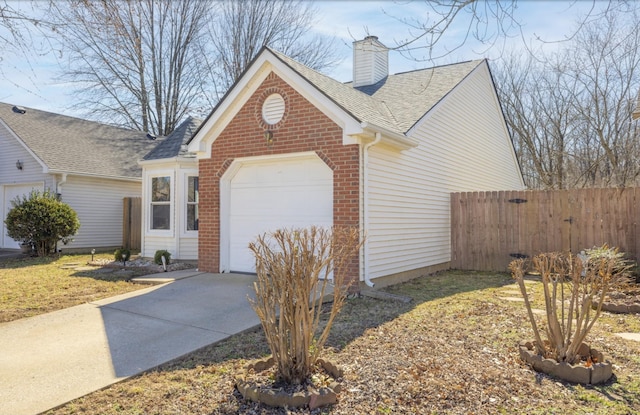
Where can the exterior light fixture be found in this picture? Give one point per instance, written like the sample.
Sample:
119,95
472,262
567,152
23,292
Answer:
19,165
268,135
93,252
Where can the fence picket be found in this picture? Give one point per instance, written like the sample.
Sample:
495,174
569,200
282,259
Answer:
488,228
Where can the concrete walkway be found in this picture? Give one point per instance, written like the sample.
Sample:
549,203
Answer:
53,358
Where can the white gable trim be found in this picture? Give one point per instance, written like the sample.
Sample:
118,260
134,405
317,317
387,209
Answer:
266,63
45,168
442,100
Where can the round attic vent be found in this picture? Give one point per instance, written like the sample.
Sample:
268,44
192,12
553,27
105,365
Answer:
273,109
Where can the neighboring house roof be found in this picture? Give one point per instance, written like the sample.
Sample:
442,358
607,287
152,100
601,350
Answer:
171,146
636,110
72,145
398,101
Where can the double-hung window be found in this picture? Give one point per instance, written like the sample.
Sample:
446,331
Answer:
192,203
161,203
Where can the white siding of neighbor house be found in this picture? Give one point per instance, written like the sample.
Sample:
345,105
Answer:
10,152
98,203
182,244
464,146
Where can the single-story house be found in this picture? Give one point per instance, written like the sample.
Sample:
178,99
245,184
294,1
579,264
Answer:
290,147
90,165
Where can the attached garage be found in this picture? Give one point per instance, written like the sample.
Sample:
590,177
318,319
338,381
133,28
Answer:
266,194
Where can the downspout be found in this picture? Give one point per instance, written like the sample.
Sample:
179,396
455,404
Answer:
60,183
365,205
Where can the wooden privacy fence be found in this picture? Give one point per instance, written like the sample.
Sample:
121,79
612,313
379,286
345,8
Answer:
490,229
131,223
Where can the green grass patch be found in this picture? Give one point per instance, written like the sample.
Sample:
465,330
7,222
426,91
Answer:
32,286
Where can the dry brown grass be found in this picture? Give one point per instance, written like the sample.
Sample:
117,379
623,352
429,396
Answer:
32,286
451,351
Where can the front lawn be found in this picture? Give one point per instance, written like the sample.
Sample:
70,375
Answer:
32,286
451,351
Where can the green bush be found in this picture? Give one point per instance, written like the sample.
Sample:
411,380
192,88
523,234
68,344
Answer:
42,220
122,255
622,267
157,258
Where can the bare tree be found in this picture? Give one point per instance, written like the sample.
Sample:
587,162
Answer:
242,28
18,24
539,113
570,113
606,69
134,62
487,21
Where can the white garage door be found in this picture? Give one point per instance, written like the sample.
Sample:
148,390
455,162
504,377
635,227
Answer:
268,196
10,193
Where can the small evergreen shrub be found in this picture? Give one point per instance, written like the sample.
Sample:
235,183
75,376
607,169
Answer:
157,258
42,220
122,255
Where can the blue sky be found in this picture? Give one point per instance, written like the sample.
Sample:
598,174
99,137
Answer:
34,85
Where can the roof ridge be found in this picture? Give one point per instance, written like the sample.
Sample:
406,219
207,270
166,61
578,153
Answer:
373,102
73,117
440,66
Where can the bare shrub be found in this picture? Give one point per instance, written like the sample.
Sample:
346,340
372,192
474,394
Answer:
295,270
574,289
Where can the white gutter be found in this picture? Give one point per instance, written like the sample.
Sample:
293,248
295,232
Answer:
394,139
365,205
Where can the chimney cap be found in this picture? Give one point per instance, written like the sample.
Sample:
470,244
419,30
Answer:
371,37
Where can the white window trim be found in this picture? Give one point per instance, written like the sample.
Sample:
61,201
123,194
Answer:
182,211
172,203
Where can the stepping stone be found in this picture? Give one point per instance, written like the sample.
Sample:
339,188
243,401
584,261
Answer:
514,299
86,268
629,336
511,293
538,311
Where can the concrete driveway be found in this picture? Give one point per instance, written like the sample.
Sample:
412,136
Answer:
53,358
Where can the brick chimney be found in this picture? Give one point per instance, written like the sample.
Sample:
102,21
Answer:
370,61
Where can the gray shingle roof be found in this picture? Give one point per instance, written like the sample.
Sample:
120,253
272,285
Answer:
171,146
73,145
398,101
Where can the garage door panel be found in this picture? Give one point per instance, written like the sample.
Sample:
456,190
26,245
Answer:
269,196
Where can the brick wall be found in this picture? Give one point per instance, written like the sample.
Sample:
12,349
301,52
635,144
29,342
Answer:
303,128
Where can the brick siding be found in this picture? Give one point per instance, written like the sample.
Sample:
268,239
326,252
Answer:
303,128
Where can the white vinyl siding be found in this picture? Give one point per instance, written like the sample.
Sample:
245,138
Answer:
31,174
10,152
370,62
409,191
99,206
